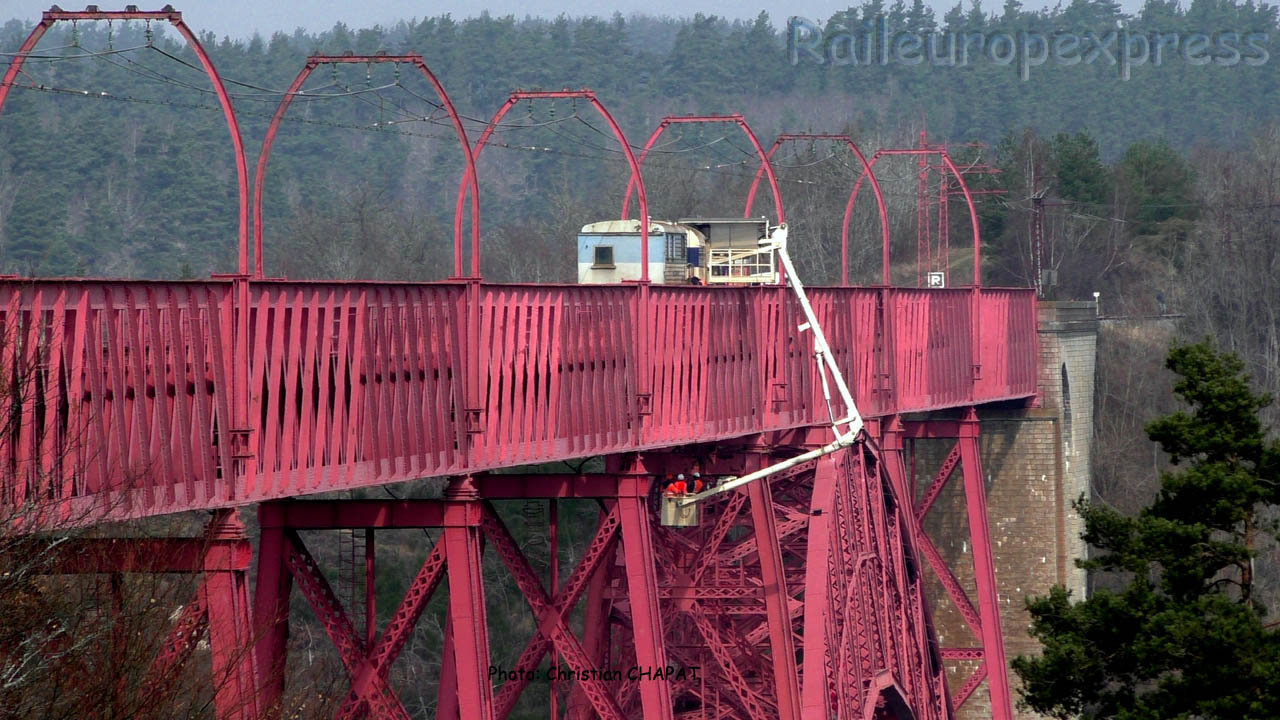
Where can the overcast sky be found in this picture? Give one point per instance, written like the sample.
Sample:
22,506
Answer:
240,18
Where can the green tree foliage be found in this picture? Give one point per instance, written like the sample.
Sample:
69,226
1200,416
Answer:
140,180
1158,183
1078,170
1184,637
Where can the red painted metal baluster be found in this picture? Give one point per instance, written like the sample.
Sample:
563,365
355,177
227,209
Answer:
476,359
121,486
379,417
285,447
179,344
314,333
974,376
97,424
344,373
29,362
354,439
220,307
154,352
202,417
10,332
45,438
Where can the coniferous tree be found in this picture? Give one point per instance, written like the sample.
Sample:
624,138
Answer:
1184,636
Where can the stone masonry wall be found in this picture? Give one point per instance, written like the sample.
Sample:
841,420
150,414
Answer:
1035,463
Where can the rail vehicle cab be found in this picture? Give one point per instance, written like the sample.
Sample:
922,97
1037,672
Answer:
609,252
734,255
690,251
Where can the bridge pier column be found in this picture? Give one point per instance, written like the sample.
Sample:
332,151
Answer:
931,675
819,658
216,609
469,628
773,576
271,618
226,597
980,619
984,568
642,592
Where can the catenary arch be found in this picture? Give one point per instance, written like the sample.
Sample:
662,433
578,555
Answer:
848,212
295,89
470,181
166,14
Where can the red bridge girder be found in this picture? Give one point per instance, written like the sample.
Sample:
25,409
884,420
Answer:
128,408
802,596
824,617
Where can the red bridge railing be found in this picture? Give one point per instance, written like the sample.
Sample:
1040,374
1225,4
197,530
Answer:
119,397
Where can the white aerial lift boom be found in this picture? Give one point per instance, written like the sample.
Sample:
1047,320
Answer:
682,510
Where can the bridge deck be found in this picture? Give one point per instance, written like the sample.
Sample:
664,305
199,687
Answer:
132,398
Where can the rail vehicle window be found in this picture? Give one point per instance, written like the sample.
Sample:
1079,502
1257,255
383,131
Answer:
604,256
675,248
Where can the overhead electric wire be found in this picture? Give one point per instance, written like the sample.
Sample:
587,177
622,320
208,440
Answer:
613,155
440,106
102,95
227,80
151,74
29,57
656,149
803,165
56,47
264,94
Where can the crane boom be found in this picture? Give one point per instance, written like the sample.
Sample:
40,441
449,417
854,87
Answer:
846,427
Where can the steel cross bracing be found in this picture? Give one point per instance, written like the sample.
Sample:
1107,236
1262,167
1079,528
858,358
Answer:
798,596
